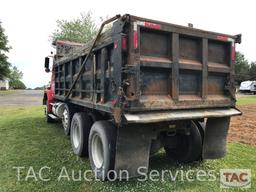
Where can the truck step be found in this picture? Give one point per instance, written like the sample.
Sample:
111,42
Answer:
53,116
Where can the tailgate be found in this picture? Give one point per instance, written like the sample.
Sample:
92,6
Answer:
180,67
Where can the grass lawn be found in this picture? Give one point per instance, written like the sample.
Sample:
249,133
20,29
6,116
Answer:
246,100
27,140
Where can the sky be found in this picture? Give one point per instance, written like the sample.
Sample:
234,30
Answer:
29,23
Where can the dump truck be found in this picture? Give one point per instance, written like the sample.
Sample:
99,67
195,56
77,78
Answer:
140,86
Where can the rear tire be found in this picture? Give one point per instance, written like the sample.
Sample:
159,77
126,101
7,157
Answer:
67,118
189,147
102,143
80,129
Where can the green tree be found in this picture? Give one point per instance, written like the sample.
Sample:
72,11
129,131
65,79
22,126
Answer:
253,71
4,48
81,29
242,68
15,79
18,84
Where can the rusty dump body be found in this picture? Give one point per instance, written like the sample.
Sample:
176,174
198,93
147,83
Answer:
144,66
176,82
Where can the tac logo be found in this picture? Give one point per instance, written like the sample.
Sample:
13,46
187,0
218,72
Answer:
235,178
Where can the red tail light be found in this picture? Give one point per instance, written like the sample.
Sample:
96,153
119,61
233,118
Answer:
135,40
233,54
124,43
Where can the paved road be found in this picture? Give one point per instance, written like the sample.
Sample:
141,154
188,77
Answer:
22,98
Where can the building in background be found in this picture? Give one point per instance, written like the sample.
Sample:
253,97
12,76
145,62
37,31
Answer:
4,84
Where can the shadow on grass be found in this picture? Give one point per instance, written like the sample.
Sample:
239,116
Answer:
161,161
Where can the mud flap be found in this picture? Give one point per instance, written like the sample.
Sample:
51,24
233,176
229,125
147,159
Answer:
133,149
215,138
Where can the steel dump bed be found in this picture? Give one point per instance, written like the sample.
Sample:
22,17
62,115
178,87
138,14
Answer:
141,65
141,86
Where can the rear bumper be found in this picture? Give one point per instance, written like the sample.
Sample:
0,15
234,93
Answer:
154,117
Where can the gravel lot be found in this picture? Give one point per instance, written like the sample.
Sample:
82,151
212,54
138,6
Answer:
22,98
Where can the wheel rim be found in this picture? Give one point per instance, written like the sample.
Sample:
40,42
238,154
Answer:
75,135
97,151
65,119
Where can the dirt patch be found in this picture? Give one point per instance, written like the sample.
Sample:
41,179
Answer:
243,128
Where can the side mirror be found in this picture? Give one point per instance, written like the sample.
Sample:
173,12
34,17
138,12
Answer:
46,64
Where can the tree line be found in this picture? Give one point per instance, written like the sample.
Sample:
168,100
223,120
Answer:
7,71
243,69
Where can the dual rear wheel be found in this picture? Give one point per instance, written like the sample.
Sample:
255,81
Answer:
96,140
79,133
